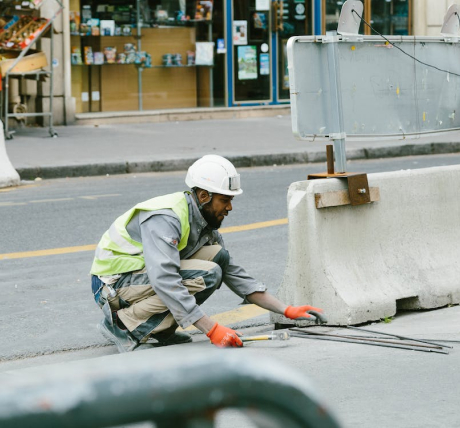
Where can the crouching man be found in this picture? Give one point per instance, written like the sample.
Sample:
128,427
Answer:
163,258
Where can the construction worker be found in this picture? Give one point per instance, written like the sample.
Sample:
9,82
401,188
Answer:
163,258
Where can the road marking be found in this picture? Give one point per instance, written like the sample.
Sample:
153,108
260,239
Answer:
12,189
50,252
11,204
41,201
236,315
94,197
253,226
67,250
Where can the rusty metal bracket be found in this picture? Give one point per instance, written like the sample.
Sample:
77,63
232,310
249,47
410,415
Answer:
358,193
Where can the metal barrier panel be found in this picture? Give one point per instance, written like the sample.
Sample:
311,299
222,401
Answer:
169,387
384,92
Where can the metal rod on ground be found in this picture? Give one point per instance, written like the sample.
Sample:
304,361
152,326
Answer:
368,339
399,337
426,340
330,339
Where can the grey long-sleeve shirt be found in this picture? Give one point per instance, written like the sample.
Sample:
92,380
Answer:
160,232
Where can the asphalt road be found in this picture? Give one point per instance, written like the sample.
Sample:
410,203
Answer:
47,302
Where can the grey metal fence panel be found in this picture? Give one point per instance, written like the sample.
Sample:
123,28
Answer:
169,387
384,92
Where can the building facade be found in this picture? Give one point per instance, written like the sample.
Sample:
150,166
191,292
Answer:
113,56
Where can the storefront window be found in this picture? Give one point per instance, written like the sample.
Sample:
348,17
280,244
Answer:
297,21
388,17
332,9
146,54
251,51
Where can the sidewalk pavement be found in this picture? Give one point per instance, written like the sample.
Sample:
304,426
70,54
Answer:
364,386
155,147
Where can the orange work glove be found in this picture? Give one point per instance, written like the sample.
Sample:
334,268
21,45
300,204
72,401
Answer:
224,337
301,312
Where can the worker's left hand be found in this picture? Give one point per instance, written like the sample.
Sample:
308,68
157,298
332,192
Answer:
306,312
224,337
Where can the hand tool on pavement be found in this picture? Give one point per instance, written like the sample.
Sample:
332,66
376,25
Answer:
274,335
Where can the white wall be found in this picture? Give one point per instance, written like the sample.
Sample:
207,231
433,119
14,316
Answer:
428,16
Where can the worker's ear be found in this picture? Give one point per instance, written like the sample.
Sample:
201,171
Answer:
203,195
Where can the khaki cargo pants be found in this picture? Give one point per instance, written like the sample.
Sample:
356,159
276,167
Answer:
143,312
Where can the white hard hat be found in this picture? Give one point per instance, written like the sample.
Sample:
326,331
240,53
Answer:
214,174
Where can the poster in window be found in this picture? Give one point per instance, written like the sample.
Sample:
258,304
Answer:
203,10
260,20
264,64
204,53
262,4
247,63
221,46
240,32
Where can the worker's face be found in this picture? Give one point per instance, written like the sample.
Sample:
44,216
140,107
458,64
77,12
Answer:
215,211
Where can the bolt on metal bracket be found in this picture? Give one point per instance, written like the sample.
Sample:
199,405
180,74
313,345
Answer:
358,192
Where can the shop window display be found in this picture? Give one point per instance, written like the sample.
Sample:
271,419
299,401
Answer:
297,20
169,66
388,17
391,17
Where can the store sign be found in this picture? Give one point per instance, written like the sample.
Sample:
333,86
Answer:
300,11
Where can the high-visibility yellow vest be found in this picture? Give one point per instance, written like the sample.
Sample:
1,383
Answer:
117,252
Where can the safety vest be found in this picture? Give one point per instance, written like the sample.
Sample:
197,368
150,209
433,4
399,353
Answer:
117,252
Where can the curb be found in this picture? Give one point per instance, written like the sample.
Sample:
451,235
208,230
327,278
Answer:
98,169
181,115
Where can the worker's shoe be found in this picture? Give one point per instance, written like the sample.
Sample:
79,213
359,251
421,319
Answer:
171,337
143,347
123,340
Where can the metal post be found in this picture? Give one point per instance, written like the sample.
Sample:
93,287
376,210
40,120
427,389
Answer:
51,91
139,46
6,91
211,70
337,133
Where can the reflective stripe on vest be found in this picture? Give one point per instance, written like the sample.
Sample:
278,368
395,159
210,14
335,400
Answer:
117,252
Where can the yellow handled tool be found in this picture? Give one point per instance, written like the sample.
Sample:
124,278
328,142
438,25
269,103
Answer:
274,335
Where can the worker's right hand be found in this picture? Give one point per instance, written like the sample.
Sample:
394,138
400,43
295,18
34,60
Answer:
301,312
224,337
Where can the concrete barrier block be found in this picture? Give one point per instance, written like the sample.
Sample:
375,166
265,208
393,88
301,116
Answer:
362,263
8,175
